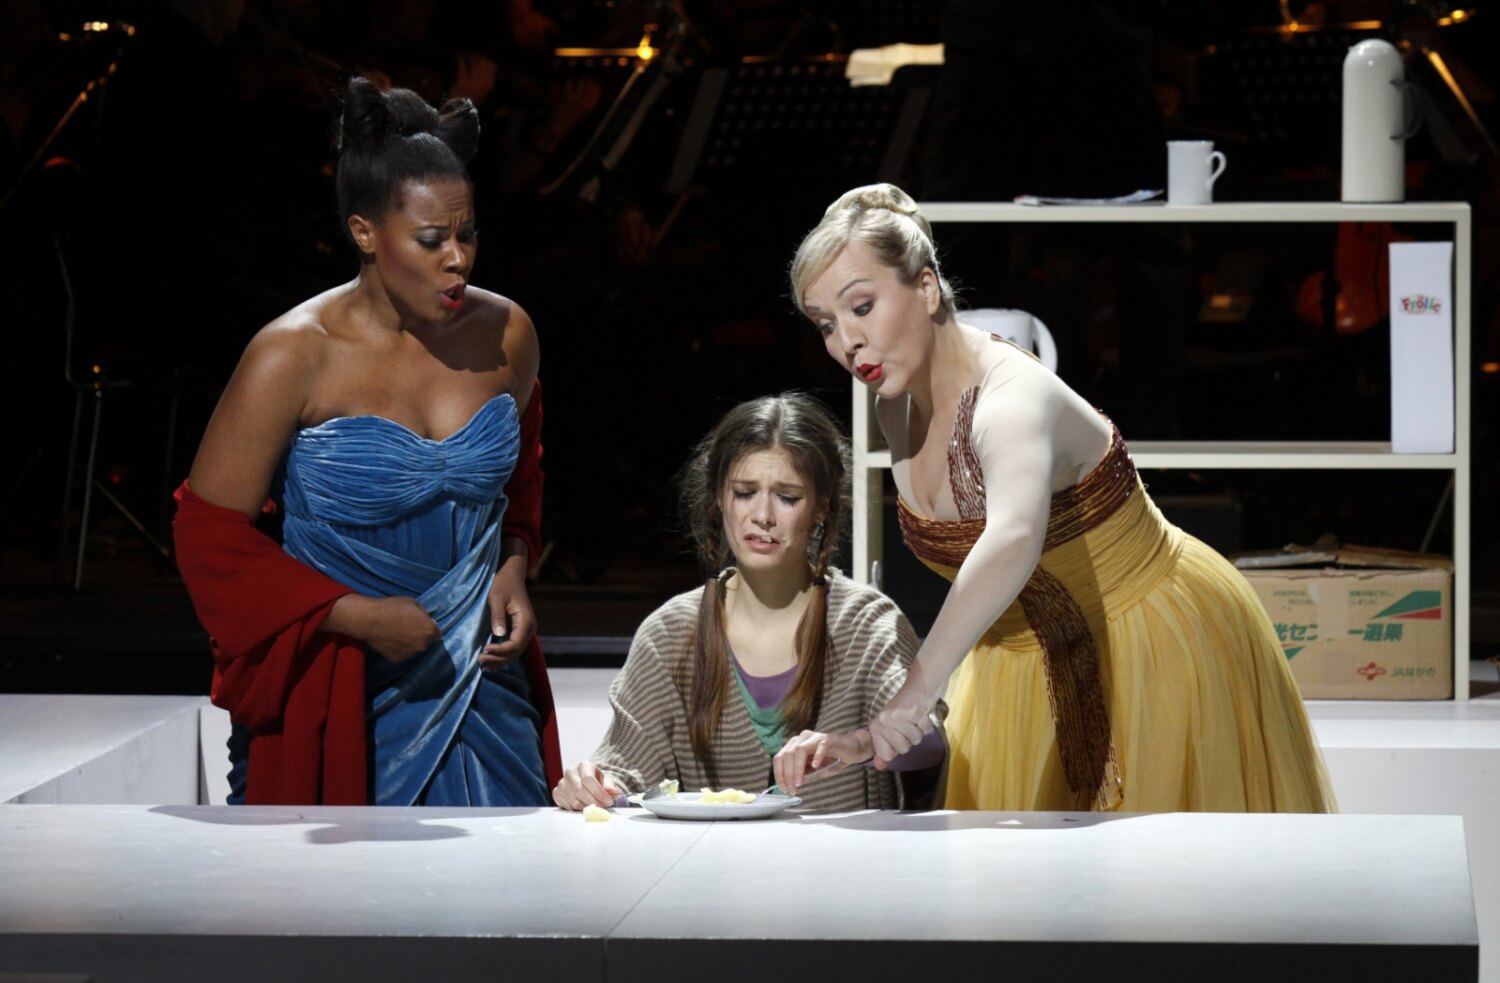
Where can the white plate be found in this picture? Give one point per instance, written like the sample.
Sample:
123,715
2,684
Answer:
687,806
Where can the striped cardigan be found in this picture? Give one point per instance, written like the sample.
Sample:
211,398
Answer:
871,644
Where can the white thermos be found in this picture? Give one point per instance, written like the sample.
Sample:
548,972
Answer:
1374,162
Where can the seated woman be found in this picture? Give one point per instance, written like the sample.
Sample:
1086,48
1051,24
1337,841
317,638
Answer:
778,644
374,659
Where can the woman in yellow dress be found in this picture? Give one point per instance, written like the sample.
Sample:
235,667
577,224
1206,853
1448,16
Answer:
1100,658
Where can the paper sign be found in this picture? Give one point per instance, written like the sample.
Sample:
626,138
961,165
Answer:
1421,347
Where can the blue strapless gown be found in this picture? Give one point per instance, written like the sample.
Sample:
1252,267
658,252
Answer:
390,513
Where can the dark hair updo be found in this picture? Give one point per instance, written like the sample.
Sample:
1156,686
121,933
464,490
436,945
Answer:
386,139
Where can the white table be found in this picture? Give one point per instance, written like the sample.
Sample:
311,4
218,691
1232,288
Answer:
176,892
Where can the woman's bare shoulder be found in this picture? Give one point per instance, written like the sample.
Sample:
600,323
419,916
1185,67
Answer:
501,312
299,335
508,324
1023,405
262,404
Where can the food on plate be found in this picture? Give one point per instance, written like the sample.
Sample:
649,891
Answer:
728,796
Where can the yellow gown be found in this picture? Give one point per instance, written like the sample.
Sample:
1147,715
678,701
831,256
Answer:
1144,648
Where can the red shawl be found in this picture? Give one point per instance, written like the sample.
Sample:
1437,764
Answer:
299,690
523,519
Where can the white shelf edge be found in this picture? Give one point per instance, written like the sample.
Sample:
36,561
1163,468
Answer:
1245,211
1314,456
1254,457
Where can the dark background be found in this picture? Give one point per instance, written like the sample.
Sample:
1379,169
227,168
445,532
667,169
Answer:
189,200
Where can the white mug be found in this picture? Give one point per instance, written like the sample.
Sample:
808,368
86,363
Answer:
1191,171
1018,327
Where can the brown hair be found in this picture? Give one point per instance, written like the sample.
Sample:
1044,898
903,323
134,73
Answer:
805,429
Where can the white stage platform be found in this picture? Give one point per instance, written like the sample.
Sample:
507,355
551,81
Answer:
135,893
1395,759
56,748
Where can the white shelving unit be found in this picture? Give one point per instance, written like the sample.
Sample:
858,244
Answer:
870,460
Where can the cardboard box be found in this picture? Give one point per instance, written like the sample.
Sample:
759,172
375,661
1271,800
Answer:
1359,623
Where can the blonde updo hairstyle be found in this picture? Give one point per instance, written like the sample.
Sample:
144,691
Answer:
888,222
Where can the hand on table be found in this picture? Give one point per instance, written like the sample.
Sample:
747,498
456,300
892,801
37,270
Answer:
585,784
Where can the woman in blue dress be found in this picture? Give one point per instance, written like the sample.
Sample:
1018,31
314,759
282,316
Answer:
385,416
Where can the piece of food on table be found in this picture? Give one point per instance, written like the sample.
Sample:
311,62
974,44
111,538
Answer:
594,814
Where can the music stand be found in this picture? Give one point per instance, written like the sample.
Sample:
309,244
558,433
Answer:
95,386
99,380
798,125
651,75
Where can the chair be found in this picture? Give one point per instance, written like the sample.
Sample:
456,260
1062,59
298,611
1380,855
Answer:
1023,329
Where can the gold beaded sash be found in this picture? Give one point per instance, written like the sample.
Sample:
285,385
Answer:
1070,660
